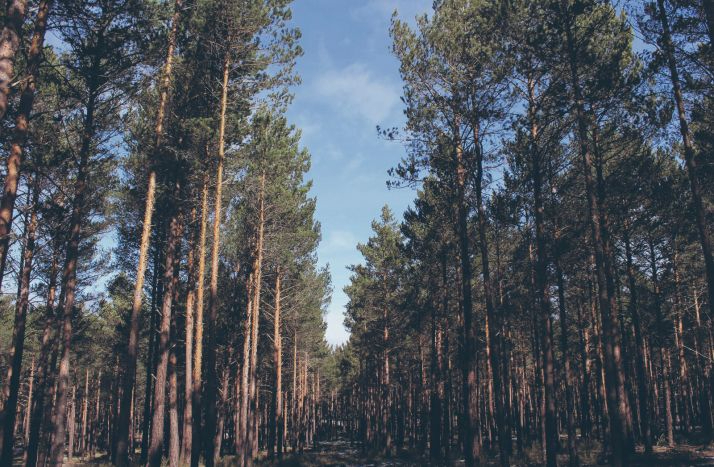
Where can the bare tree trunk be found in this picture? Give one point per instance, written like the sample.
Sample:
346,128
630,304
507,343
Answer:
22,121
174,442
642,381
9,44
156,292
242,430
170,283
255,323
472,449
278,347
129,363
69,286
689,154
541,292
11,386
71,424
198,340
661,337
43,363
609,318
211,383
28,408
85,407
188,333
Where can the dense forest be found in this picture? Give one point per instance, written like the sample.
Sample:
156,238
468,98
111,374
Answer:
547,298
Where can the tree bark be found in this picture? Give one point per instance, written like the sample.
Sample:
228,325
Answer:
188,348
198,340
642,380
541,290
69,285
255,324
9,44
22,125
472,449
609,317
129,363
211,453
278,348
690,159
170,283
11,386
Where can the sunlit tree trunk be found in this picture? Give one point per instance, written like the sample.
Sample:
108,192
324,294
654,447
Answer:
129,363
211,453
198,338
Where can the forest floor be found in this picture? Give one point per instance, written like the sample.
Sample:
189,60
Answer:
341,453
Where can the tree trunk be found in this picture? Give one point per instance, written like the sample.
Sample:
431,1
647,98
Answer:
188,348
22,121
689,154
211,453
472,449
129,363
69,286
11,386
170,283
9,44
661,338
609,317
642,382
278,346
43,363
541,291
156,292
198,340
255,323
85,407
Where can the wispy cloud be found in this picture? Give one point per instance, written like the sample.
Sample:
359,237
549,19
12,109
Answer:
339,240
358,92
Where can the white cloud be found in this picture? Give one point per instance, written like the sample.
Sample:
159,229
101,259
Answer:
380,11
339,240
336,333
357,92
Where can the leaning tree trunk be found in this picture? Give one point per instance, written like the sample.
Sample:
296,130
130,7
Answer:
211,452
11,387
689,154
129,363
19,134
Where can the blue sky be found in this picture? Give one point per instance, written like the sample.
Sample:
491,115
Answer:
350,84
